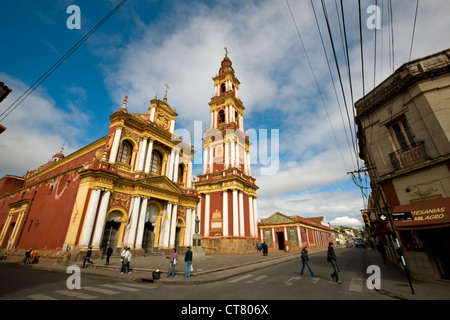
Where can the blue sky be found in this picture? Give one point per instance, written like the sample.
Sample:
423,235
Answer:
147,44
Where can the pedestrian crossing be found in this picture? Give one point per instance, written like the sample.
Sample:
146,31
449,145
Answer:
356,284
92,292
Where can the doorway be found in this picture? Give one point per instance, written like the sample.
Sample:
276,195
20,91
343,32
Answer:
111,231
148,241
280,238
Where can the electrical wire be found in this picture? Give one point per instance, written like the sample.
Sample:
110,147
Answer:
414,29
53,68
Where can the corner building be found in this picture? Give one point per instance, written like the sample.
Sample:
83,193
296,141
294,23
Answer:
228,208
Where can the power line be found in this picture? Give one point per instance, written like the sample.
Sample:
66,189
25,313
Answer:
38,82
414,29
340,79
315,79
332,78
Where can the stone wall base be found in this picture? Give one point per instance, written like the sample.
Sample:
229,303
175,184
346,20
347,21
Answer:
229,245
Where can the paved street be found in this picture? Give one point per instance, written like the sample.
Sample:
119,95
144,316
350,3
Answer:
278,282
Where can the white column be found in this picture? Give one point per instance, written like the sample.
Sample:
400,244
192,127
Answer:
253,230
142,155
225,213
235,214
227,115
237,155
299,236
207,215
138,157
133,223
172,126
194,215
167,221
226,154
187,230
211,120
233,153
241,214
170,164
152,114
148,159
248,163
100,221
173,225
175,166
205,159
141,223
89,220
273,237
285,234
211,159
115,145
261,235
255,213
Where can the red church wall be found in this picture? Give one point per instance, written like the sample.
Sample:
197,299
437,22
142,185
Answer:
47,217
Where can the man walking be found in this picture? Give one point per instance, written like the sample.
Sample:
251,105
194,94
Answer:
331,257
188,262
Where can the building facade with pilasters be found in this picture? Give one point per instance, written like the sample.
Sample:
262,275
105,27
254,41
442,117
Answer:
292,233
132,188
228,200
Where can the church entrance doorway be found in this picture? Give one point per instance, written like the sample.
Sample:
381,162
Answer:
148,241
111,231
149,237
280,238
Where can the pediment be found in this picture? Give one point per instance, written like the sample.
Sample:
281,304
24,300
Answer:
278,218
163,183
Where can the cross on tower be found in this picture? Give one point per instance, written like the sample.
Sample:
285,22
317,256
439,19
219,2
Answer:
165,95
226,51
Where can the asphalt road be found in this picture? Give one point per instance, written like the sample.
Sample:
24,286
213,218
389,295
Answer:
280,282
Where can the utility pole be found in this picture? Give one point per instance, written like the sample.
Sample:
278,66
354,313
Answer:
397,246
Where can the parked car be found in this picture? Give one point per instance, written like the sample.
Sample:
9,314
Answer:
358,242
348,244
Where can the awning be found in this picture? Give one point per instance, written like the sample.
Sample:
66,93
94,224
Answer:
382,228
426,215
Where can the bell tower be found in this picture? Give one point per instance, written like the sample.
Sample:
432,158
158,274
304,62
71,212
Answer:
228,210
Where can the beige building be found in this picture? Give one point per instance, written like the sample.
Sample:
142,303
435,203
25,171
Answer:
403,134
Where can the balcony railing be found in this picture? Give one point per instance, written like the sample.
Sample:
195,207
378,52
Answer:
411,155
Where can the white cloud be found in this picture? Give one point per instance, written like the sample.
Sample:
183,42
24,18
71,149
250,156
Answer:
36,129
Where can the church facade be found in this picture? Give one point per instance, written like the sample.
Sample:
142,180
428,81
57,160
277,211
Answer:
131,188
134,188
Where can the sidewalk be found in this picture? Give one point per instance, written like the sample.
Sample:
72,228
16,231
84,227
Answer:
209,269
394,282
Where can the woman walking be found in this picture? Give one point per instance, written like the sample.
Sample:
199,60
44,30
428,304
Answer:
305,261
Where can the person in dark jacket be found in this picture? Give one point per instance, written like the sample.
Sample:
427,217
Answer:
188,262
331,257
305,261
88,257
109,252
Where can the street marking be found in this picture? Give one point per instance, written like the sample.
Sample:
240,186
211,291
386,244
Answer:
136,285
40,296
315,280
356,284
118,287
241,278
75,294
258,278
105,291
289,282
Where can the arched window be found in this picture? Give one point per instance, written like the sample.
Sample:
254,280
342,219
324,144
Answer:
221,116
180,173
125,153
222,88
155,166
